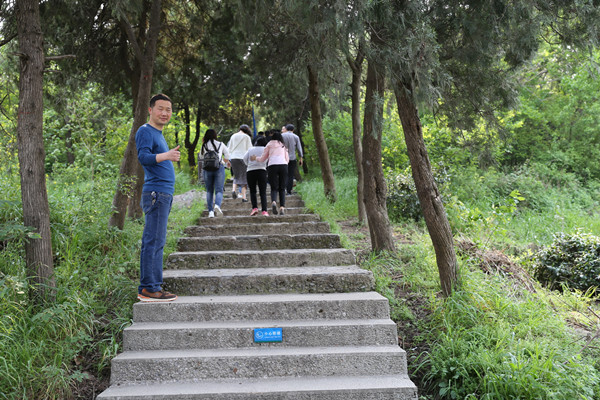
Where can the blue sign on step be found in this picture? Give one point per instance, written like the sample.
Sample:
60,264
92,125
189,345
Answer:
265,335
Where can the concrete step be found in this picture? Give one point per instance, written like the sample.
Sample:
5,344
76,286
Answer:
227,212
308,306
264,362
231,204
247,219
275,227
370,387
240,334
318,279
259,258
259,242
227,195
235,274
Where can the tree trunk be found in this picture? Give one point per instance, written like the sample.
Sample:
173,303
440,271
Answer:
68,137
134,209
131,173
69,146
317,127
375,187
356,66
298,131
429,195
191,145
36,211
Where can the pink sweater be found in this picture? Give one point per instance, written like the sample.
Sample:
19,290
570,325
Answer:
276,153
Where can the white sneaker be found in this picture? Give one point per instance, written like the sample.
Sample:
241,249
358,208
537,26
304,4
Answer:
218,211
211,214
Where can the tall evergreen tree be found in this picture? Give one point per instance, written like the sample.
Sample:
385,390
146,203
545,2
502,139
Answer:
302,36
36,211
356,65
131,175
458,59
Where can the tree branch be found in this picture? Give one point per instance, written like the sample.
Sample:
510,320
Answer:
53,58
128,29
8,39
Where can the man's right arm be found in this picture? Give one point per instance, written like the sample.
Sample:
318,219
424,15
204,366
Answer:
299,149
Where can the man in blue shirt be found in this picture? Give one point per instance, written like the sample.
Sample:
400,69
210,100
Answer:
157,196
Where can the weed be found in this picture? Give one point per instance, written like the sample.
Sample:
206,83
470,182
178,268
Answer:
48,353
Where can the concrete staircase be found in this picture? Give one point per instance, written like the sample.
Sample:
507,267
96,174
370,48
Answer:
237,274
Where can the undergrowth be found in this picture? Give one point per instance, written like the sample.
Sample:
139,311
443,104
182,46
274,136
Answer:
63,351
494,337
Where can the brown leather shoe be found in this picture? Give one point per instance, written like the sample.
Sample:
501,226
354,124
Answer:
161,296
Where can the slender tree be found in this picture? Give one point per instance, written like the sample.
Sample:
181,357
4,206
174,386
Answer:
36,211
297,41
190,144
129,175
356,65
375,193
427,190
317,126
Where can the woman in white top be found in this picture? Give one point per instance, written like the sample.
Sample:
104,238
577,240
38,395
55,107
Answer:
278,157
214,181
238,145
257,174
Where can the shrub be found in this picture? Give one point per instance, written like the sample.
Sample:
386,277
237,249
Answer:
402,201
571,260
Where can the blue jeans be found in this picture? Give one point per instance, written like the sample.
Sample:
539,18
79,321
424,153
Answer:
156,206
214,182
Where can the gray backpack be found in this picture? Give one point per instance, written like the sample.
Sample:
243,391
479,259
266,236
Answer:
211,160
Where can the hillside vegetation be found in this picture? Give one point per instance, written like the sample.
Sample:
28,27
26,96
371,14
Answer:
524,186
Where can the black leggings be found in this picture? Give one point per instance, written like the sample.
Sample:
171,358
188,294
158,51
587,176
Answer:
258,176
277,180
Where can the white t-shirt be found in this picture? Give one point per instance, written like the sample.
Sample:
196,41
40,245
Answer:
239,144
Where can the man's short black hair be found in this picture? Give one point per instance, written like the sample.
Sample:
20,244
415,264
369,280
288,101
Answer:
157,97
289,128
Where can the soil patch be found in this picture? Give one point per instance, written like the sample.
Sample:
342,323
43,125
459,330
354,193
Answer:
496,262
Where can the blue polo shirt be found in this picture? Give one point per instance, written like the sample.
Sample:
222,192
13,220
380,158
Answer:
158,177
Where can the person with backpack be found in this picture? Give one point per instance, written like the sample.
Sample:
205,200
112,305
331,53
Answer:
215,155
257,174
277,166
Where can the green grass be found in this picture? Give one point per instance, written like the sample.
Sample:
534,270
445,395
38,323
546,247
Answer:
50,353
495,341
312,192
493,338
552,203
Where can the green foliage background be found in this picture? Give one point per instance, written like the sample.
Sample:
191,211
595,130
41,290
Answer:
509,185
